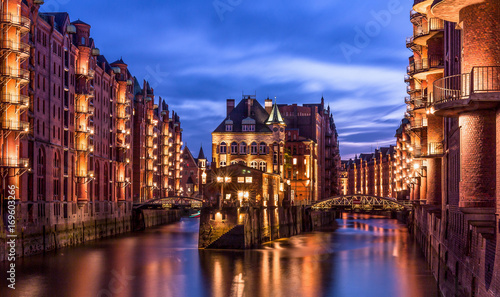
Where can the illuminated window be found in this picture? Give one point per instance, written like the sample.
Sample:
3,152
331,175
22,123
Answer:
234,148
262,148
248,179
254,148
243,148
241,179
223,148
254,165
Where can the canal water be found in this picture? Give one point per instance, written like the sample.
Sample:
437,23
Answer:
366,256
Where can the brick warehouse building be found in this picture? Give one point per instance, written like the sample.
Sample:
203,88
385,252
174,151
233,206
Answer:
371,174
67,133
451,139
157,142
299,143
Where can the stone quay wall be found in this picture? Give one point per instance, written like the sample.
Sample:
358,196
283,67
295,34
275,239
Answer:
246,228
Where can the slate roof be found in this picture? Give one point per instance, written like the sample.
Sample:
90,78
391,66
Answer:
78,22
59,19
257,112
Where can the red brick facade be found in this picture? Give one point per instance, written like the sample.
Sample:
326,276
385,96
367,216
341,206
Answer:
67,136
457,223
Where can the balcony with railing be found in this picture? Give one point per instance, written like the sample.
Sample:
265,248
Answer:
16,126
22,75
14,99
83,147
89,73
425,31
426,66
122,116
15,162
455,93
417,124
21,48
415,15
125,101
82,109
18,21
434,149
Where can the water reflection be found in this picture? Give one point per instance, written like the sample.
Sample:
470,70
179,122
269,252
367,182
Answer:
366,256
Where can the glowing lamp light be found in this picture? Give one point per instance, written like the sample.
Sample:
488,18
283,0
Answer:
416,166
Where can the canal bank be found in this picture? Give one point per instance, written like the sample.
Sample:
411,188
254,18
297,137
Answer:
249,227
35,239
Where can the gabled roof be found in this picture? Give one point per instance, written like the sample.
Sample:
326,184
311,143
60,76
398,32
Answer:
257,112
190,156
275,116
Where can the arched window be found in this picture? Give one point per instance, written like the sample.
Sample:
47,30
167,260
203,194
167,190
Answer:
106,181
57,173
262,148
263,166
223,148
254,148
234,148
41,175
97,185
243,148
222,163
254,165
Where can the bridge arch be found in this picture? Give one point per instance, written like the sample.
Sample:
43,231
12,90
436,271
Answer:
361,202
173,201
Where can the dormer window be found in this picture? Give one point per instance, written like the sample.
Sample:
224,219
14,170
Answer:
229,125
248,128
248,125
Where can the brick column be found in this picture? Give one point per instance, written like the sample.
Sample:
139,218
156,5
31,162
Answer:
423,184
434,181
477,158
498,161
480,30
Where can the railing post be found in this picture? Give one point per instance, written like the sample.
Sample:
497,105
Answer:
471,78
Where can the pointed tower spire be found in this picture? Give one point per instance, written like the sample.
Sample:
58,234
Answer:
275,116
201,154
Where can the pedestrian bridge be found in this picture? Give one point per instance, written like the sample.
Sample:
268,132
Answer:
362,202
172,202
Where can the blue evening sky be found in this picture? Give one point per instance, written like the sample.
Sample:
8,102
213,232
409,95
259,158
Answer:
198,53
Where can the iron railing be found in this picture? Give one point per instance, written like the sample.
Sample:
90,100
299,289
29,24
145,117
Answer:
15,73
15,162
435,148
85,72
16,20
19,47
16,125
15,99
426,64
482,79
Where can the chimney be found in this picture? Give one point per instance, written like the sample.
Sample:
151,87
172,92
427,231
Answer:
249,106
269,105
230,106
